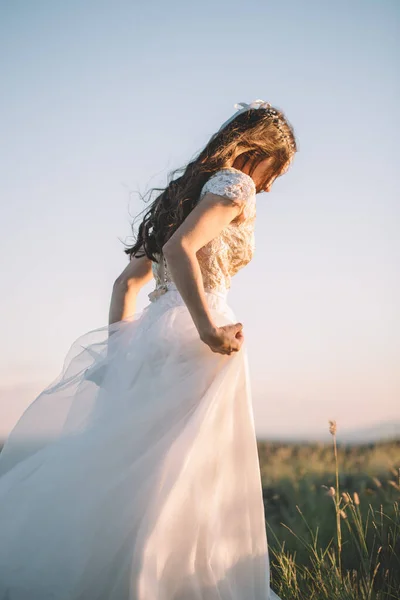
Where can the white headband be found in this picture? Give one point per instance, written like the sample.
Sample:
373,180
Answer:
243,107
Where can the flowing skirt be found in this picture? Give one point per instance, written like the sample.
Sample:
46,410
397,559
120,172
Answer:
135,474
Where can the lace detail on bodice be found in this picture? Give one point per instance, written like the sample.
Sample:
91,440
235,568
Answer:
222,257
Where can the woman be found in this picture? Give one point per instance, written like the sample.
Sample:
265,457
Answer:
135,474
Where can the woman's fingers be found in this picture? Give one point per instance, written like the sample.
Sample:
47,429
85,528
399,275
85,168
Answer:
236,337
228,339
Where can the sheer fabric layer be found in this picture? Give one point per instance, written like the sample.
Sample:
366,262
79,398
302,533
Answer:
135,475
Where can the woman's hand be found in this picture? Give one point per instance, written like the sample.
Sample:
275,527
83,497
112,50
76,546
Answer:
225,339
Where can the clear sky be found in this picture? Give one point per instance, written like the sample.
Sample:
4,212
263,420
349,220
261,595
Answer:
101,100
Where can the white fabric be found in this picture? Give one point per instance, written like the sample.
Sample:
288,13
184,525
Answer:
243,107
232,183
135,474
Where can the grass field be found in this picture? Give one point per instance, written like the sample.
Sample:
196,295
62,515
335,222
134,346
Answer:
333,519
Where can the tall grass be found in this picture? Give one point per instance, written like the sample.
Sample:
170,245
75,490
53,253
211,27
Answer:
329,540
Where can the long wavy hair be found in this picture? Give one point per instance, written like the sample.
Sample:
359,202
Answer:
253,135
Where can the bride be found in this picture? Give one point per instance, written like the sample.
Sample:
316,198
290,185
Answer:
135,475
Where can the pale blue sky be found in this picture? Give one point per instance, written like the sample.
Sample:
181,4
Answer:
100,99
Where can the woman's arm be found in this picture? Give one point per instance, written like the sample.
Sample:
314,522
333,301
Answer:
203,224
126,287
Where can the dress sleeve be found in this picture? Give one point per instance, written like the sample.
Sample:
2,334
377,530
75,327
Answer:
231,183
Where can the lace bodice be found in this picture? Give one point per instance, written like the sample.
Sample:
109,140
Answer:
233,248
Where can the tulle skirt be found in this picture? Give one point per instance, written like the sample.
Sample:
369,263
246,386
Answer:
135,474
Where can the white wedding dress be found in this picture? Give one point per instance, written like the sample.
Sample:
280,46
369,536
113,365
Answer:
135,474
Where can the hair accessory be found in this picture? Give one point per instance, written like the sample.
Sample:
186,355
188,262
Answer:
243,107
254,104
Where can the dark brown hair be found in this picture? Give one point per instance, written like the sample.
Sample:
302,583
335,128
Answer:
253,135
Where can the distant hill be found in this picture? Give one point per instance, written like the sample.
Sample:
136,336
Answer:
384,431
389,430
